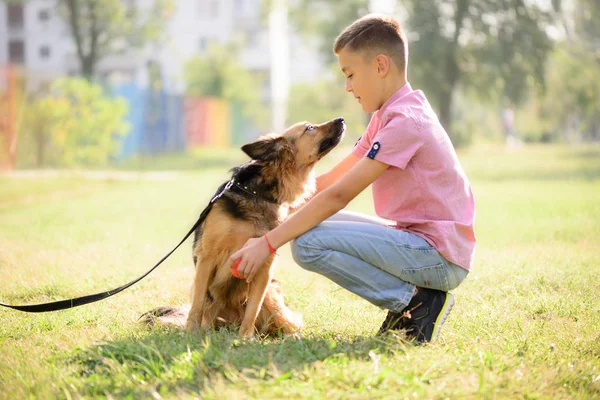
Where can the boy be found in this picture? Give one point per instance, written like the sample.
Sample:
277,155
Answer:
418,184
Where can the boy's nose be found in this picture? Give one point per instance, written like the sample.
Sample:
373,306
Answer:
348,86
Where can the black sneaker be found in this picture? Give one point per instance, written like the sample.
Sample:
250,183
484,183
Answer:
394,321
426,313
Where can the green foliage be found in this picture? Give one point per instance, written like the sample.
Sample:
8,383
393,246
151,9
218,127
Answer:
474,121
326,19
493,48
219,74
568,109
75,124
587,23
323,100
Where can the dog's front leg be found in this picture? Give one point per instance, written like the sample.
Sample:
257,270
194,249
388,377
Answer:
256,296
195,320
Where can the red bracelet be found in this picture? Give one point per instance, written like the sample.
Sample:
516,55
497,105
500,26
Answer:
271,249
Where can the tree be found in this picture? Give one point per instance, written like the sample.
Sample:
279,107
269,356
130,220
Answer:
326,19
493,48
569,107
496,48
102,27
76,123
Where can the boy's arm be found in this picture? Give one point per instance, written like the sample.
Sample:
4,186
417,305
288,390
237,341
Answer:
332,176
320,207
329,201
329,178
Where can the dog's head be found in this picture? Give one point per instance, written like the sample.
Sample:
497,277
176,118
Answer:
303,143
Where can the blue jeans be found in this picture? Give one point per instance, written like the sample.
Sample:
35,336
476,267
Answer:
377,262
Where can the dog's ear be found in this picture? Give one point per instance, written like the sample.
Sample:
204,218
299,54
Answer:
265,149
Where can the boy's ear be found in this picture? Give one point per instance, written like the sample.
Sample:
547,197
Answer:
383,64
264,149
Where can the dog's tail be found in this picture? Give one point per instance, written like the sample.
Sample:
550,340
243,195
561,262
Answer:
167,316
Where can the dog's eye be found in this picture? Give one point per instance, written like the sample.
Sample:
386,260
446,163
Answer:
309,128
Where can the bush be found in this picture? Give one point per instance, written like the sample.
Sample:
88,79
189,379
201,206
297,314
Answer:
73,124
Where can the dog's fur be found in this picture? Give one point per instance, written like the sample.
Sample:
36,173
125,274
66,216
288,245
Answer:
279,178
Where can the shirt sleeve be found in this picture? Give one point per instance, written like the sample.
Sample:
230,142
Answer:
397,142
364,142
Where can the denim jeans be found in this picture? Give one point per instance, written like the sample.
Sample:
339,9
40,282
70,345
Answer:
374,260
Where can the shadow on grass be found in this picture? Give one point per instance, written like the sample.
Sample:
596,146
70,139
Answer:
170,360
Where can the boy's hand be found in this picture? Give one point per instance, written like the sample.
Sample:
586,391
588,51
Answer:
253,256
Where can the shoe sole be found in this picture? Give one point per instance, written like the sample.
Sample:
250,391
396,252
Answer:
446,308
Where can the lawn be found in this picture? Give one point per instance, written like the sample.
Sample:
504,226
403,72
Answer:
526,323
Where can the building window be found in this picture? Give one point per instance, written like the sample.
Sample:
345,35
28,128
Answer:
44,15
15,16
16,51
45,52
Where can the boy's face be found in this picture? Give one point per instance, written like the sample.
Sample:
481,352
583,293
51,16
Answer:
362,79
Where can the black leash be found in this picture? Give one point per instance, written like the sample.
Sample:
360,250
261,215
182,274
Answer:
79,301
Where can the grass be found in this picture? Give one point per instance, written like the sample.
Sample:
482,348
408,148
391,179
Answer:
525,326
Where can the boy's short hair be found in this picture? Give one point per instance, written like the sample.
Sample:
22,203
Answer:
375,34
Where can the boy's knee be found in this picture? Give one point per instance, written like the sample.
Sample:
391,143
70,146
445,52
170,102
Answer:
298,250
303,253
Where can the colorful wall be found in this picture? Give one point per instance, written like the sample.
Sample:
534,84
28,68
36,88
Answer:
170,123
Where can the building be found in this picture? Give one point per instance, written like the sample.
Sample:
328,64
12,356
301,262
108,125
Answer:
34,35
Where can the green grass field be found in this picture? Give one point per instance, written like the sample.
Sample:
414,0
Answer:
526,324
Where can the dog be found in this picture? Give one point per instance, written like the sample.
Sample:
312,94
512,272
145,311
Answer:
278,179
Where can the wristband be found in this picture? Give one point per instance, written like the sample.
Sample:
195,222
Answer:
271,249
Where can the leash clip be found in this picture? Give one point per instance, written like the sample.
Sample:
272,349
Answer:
225,188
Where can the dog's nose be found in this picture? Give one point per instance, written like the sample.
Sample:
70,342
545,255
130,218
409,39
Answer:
339,120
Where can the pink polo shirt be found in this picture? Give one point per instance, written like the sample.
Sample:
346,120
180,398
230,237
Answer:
425,189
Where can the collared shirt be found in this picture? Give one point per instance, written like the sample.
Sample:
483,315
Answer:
425,189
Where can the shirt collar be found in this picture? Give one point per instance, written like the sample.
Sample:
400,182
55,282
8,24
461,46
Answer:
404,90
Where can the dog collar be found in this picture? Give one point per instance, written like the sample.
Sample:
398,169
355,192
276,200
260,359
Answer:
252,192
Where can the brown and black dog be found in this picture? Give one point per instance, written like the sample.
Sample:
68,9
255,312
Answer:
279,178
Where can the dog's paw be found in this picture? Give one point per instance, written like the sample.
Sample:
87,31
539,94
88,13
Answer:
246,332
192,324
